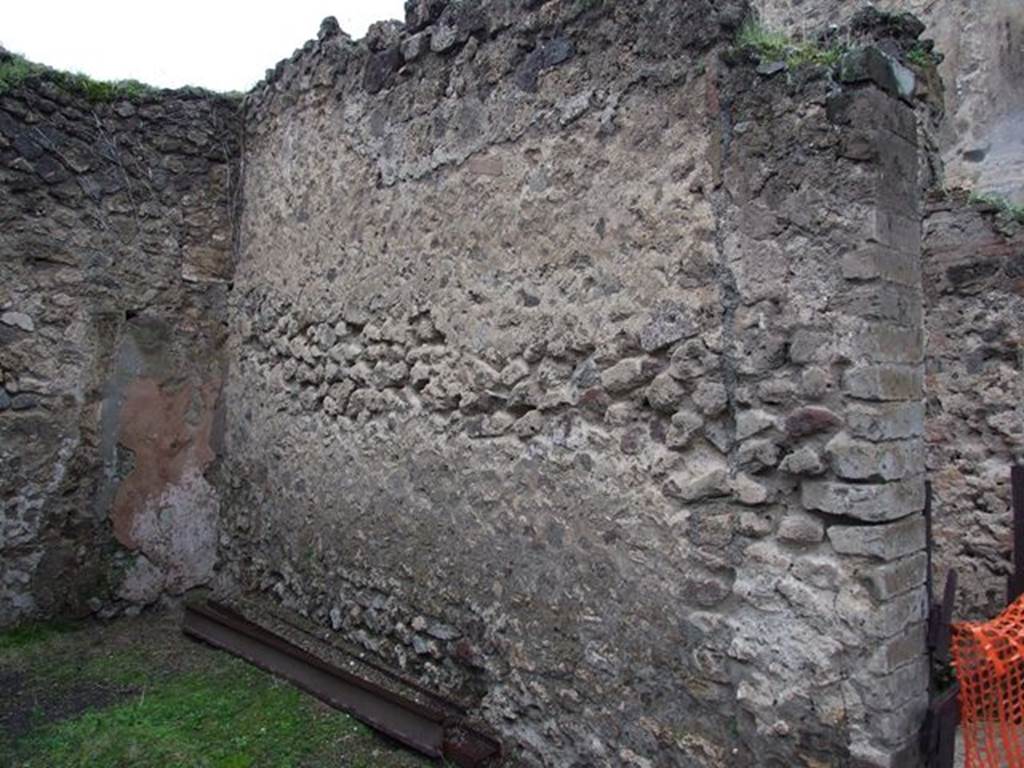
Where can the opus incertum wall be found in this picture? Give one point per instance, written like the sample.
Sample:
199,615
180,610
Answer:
974,291
115,253
579,375
546,351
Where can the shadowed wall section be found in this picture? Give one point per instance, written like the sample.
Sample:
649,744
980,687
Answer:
115,250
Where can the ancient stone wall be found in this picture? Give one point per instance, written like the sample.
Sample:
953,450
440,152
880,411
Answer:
115,251
580,376
974,289
982,45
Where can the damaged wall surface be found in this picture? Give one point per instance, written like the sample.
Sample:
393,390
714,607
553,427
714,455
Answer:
115,246
974,290
982,45
583,381
552,354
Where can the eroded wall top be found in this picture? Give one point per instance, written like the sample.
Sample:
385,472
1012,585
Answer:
982,45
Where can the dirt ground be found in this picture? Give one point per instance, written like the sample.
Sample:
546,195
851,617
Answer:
137,693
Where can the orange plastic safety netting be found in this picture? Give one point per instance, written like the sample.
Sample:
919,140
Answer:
989,661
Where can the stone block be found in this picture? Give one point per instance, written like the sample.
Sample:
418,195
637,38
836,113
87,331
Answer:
684,425
529,424
443,36
885,421
756,523
416,45
884,343
708,589
871,64
758,454
895,725
803,461
696,487
380,68
759,352
809,346
205,264
900,234
897,179
883,382
887,581
625,375
664,393
870,502
692,360
801,528
750,423
18,320
420,13
869,108
667,326
888,693
710,398
898,651
750,492
514,372
810,420
854,459
881,620
815,382
819,570
882,300
719,433
866,754
878,261
887,542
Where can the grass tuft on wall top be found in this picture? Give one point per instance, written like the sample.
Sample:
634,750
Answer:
16,70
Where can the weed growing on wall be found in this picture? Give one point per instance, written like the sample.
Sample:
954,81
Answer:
922,56
771,45
1004,207
15,70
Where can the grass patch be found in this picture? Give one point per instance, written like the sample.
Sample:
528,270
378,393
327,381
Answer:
15,70
135,693
1003,207
127,667
235,717
33,633
922,56
771,45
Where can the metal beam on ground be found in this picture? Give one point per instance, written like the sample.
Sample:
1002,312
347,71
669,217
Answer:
434,732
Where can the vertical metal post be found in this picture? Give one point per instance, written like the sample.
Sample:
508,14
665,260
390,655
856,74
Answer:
1015,582
929,577
938,736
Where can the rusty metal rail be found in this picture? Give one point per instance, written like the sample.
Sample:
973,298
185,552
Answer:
435,731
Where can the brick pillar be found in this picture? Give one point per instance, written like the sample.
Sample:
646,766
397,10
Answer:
820,222
875,491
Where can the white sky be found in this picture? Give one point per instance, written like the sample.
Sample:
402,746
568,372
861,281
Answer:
224,46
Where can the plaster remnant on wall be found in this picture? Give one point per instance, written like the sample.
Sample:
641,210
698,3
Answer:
109,214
